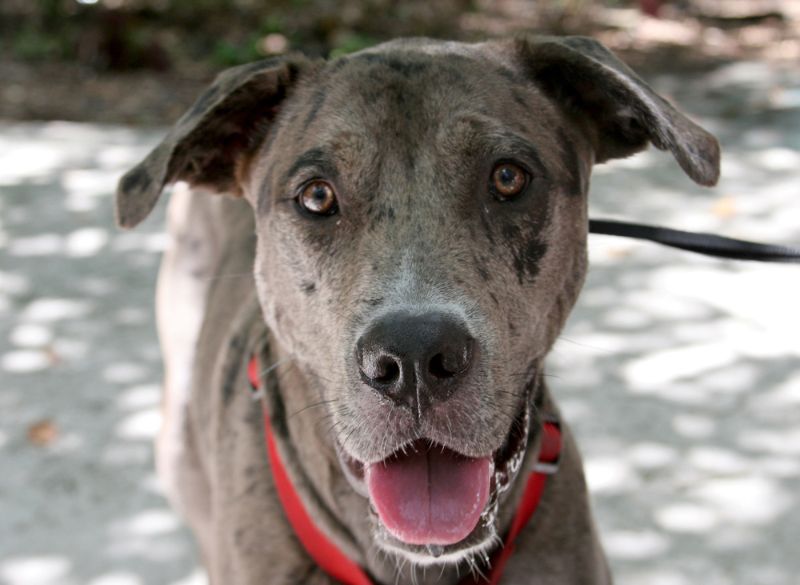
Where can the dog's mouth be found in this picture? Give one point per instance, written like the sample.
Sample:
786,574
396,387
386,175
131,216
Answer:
429,494
431,499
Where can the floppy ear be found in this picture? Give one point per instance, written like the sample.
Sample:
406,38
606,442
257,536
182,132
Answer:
622,112
211,140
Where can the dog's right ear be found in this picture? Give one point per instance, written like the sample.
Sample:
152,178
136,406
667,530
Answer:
211,140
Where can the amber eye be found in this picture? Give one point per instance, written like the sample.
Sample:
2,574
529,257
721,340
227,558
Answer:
508,180
319,198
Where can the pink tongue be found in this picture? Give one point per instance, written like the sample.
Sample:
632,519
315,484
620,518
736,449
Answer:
430,495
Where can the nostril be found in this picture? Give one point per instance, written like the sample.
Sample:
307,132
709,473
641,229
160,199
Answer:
451,363
387,370
378,367
437,369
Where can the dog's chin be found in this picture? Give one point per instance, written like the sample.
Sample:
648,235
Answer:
457,523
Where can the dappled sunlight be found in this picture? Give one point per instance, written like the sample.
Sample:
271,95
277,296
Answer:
29,161
636,546
80,366
139,397
140,426
41,570
195,578
38,245
125,372
693,426
117,578
148,523
680,375
661,369
30,335
24,360
744,500
660,577
686,517
771,441
46,310
651,456
777,159
85,241
85,189
611,474
783,395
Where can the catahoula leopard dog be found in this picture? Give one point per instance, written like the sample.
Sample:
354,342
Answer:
403,237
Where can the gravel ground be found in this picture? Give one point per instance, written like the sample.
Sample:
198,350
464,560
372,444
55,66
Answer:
680,374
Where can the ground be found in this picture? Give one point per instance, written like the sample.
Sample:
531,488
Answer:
680,374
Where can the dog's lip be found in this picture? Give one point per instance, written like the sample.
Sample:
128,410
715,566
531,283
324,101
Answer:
509,454
353,470
507,463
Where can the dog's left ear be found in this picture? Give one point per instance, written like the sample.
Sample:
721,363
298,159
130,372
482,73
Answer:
209,143
623,113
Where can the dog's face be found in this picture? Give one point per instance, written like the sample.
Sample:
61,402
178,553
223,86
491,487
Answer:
421,211
421,220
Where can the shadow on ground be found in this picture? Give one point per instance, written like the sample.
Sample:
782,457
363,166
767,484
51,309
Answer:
680,374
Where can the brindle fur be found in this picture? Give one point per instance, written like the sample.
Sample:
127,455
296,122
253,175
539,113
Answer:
407,132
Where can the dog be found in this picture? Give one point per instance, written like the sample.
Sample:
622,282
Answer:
402,240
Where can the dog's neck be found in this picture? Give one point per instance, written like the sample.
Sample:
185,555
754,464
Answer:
303,431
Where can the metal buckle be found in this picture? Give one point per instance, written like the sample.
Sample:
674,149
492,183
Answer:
549,467
545,468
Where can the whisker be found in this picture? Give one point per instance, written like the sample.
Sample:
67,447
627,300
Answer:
270,368
578,343
310,406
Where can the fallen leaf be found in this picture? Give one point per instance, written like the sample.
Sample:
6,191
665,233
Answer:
42,433
724,207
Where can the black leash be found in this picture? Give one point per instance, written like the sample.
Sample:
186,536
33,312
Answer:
701,243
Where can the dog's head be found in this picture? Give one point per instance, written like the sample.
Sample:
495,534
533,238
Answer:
421,219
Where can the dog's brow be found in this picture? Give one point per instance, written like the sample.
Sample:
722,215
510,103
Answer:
517,144
498,139
316,158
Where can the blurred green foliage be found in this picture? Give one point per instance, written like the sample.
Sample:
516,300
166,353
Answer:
351,43
195,34
30,44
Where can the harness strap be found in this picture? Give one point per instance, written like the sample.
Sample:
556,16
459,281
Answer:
340,567
547,464
326,555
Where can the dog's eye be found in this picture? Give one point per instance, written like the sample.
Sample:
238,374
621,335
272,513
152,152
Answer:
508,181
319,198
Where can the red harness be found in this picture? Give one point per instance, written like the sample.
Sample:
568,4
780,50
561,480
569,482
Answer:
341,568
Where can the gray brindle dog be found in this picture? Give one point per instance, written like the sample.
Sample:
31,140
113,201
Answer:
405,238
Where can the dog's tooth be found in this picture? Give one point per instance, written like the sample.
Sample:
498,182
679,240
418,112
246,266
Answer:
435,550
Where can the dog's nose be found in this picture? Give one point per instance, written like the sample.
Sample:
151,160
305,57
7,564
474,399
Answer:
415,360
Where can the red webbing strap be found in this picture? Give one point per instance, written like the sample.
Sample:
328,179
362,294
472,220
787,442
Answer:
253,375
325,554
547,464
337,565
